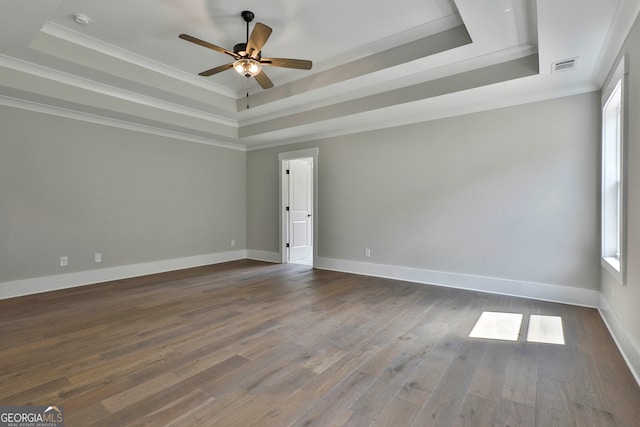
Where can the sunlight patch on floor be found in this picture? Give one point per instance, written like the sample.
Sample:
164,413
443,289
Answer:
545,329
497,326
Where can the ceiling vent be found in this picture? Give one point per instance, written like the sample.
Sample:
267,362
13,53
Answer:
565,65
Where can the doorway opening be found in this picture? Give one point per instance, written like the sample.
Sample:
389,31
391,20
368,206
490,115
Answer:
298,206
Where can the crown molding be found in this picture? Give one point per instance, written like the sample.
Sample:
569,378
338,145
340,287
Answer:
378,83
627,13
394,116
106,121
104,89
420,112
88,42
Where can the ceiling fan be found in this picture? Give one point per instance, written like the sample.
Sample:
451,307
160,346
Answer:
248,58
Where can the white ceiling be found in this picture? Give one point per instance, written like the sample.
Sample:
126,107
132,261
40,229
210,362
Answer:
374,66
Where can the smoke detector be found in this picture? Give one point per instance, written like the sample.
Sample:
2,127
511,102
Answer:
81,18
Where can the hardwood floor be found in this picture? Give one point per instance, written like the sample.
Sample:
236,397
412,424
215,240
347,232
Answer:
248,343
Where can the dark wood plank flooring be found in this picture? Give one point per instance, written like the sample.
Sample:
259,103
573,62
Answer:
248,343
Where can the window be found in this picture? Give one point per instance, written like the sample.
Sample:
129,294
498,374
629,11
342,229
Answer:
613,144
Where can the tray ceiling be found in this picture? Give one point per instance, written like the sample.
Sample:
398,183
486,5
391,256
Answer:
398,62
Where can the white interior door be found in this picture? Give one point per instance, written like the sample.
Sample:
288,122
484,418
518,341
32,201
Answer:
300,198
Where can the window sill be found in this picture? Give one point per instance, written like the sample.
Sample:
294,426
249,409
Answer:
612,265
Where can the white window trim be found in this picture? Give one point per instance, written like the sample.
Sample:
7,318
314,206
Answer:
616,266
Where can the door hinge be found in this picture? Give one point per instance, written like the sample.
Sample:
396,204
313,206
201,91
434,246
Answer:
287,208
287,171
287,245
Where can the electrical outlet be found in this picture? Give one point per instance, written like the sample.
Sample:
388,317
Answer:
367,252
97,257
233,243
64,261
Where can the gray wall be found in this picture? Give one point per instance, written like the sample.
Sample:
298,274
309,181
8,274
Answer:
74,188
508,193
624,301
262,200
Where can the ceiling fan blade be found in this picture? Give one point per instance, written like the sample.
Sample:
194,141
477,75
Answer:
208,45
216,70
264,81
258,38
300,64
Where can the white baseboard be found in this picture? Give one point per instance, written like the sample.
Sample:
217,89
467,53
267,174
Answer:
538,291
554,293
629,349
264,256
61,281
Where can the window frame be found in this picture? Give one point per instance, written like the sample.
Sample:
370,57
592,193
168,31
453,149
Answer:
613,173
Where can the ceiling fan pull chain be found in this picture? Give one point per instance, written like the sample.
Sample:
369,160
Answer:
247,93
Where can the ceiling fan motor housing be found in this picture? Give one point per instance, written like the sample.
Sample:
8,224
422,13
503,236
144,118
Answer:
241,49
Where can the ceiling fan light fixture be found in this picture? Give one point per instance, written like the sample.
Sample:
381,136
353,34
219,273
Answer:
247,67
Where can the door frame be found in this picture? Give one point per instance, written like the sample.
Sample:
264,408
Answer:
282,197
